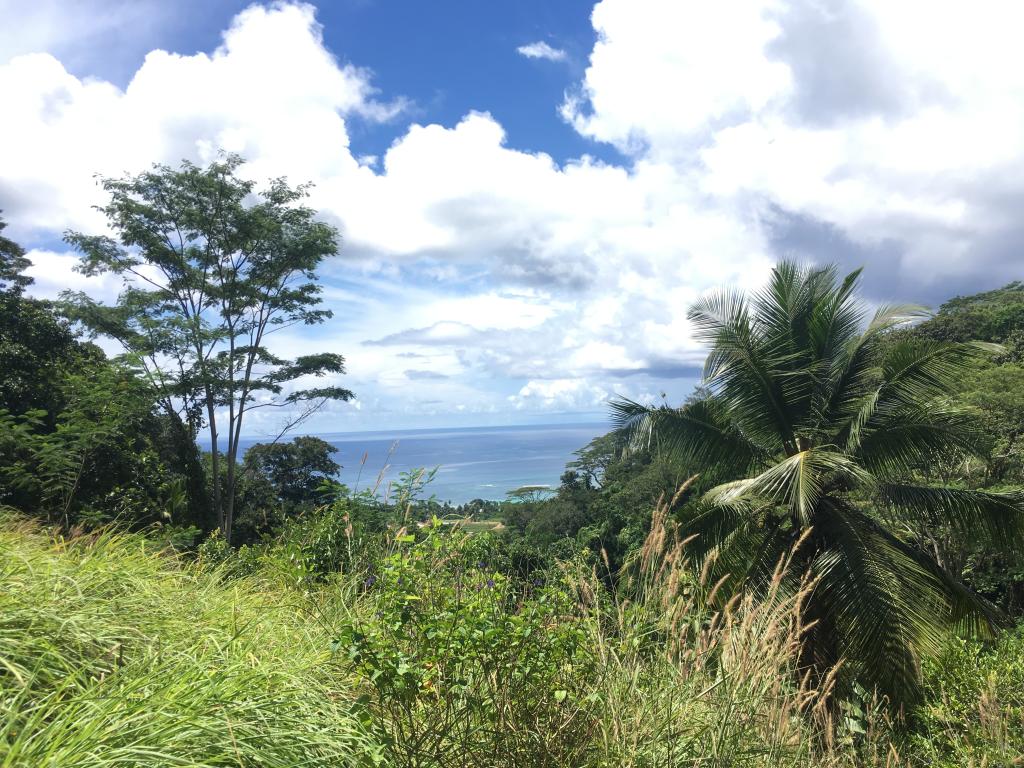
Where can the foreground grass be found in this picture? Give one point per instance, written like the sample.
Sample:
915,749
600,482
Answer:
420,653
114,655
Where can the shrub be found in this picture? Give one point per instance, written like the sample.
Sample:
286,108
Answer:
464,665
974,712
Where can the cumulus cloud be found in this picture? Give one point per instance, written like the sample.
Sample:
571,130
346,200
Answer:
54,272
541,50
438,333
86,32
749,129
415,374
271,75
898,139
560,394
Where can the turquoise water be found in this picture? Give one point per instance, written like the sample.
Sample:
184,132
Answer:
473,463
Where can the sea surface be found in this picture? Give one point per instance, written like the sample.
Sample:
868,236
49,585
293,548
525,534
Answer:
473,463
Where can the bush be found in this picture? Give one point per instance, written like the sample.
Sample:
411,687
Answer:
974,712
427,647
464,665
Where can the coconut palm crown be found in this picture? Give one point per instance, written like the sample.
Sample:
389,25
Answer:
815,421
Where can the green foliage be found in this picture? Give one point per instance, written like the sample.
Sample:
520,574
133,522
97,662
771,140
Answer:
461,661
974,713
603,504
819,427
997,392
994,390
79,439
425,650
457,657
13,263
98,461
38,351
296,471
994,316
212,274
278,481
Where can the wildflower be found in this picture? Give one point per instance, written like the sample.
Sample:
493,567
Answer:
490,583
370,581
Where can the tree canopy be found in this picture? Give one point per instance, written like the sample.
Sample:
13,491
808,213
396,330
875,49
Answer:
13,264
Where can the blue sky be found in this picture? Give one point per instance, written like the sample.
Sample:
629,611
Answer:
531,193
448,58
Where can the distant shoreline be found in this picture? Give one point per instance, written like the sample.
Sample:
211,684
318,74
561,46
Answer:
473,462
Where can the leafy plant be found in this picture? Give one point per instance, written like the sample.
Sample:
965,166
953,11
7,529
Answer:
459,656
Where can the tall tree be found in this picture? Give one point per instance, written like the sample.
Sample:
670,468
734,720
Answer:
212,269
818,425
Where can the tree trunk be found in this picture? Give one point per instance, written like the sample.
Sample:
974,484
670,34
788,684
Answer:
229,495
215,467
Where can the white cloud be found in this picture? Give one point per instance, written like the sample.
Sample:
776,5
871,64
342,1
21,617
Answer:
751,129
82,31
270,82
54,272
541,50
662,72
897,125
560,395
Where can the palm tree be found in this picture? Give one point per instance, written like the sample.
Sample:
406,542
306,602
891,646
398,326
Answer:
815,422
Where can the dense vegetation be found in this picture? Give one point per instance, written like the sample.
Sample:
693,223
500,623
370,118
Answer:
815,560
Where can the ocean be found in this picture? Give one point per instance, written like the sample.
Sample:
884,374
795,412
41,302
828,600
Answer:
473,463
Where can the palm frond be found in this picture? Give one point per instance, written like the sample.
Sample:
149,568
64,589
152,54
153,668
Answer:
746,552
895,439
739,367
995,518
885,609
700,431
796,482
891,604
889,316
810,403
916,372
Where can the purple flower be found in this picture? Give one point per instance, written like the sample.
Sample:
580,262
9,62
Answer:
370,581
490,583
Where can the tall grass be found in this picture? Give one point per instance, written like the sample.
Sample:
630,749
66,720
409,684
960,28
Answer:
421,653
112,654
686,683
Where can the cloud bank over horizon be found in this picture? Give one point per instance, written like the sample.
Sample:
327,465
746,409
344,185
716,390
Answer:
483,282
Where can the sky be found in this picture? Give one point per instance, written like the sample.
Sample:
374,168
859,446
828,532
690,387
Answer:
530,193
